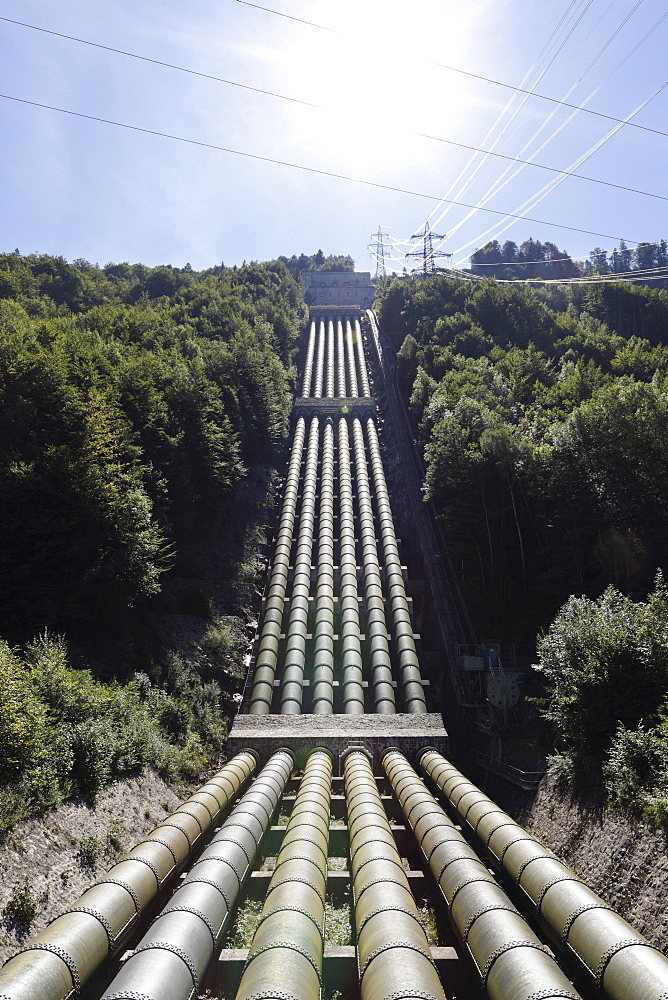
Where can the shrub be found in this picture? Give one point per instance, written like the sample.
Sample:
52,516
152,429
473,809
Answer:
24,903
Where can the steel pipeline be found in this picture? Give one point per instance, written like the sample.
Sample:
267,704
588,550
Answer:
265,666
393,953
323,655
172,958
511,961
409,665
287,948
308,364
295,653
378,646
351,646
612,954
60,961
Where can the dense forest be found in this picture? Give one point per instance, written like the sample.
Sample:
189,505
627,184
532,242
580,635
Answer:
535,260
133,403
542,416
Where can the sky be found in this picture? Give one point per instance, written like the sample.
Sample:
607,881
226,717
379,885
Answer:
383,77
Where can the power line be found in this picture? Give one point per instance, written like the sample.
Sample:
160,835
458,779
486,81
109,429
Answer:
320,107
301,166
542,166
160,62
289,17
478,76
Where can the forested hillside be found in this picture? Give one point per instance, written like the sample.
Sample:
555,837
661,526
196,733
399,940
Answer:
543,420
133,402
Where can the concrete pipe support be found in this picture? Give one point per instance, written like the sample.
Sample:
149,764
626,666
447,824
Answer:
378,646
511,961
61,960
295,654
172,958
308,364
351,362
267,657
393,953
614,956
409,665
285,957
323,656
351,645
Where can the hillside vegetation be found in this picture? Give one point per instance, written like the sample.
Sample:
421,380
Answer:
543,420
133,402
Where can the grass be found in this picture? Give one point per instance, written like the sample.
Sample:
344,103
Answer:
337,864
428,920
245,924
338,927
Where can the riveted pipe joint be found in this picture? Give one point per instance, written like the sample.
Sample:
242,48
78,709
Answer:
511,961
615,957
68,953
393,953
287,948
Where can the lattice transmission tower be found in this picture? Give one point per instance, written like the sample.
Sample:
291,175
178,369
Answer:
427,252
380,250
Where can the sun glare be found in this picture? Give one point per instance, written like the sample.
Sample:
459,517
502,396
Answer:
377,80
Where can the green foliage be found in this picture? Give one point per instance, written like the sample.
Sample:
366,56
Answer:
131,401
542,417
24,903
338,927
604,663
91,850
245,924
66,732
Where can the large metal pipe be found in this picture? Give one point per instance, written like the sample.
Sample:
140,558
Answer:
308,364
330,369
351,645
409,664
340,359
295,652
267,657
285,957
318,380
323,655
378,646
64,957
511,961
172,958
615,957
361,360
351,363
393,953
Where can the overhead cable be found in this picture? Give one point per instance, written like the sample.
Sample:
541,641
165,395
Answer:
475,76
319,107
160,62
295,166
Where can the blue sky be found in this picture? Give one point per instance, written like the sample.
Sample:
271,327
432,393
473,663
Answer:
87,189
